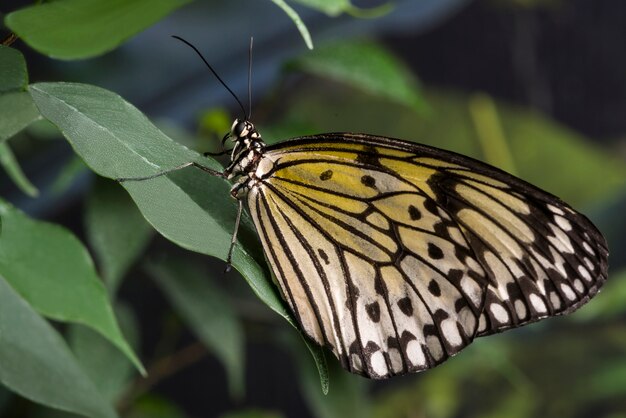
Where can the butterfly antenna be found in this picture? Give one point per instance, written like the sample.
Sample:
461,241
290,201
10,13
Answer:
243,110
250,79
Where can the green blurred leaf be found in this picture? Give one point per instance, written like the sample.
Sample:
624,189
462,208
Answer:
609,304
435,394
13,73
330,7
43,130
516,404
252,413
366,66
189,207
336,7
36,363
74,29
17,111
607,381
13,169
214,122
100,360
115,229
204,308
154,406
495,148
67,175
52,270
304,32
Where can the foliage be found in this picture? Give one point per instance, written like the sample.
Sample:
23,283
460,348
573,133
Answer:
90,365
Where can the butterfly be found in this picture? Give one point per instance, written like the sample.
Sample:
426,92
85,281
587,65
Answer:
395,256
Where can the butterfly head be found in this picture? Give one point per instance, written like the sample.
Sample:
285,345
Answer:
243,130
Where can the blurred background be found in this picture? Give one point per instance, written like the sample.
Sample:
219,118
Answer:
536,87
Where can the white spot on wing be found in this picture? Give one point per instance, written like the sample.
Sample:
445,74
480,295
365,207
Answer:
472,290
434,346
482,323
415,354
562,241
451,332
520,309
357,365
537,303
499,313
584,273
555,300
377,361
578,285
563,223
568,291
555,210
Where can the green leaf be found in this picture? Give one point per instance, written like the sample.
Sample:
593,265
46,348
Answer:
205,309
330,7
366,66
115,229
304,32
114,138
74,29
319,358
336,7
67,175
36,363
52,270
495,149
13,169
100,360
13,73
17,111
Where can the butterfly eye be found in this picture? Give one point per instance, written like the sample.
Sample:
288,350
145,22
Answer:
239,129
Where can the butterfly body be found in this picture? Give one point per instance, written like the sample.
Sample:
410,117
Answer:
395,255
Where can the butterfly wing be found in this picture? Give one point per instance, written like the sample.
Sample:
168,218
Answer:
396,255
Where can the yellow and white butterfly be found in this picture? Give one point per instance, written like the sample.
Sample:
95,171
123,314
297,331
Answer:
395,256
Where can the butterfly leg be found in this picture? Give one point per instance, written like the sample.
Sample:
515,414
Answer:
216,154
233,240
170,170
